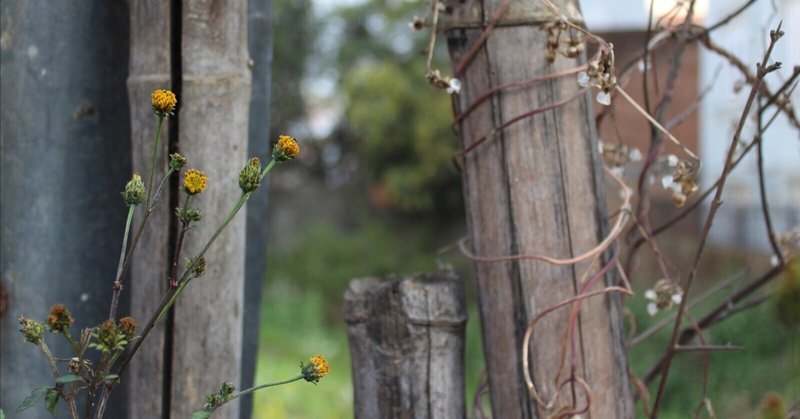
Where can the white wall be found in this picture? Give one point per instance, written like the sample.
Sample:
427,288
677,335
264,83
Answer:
740,223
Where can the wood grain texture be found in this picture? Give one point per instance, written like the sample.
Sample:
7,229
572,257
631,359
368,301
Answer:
534,188
149,70
213,136
407,346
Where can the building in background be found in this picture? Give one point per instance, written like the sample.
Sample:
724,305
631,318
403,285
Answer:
709,130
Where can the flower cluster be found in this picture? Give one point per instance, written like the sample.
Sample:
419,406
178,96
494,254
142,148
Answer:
134,191
176,161
316,368
600,73
224,395
163,102
682,182
618,156
32,330
250,175
127,325
59,319
110,338
570,46
286,148
417,23
194,181
663,295
451,85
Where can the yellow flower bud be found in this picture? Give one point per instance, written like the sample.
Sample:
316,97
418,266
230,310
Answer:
286,148
163,102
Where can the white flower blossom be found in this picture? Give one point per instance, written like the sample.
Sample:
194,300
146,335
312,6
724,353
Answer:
618,171
667,181
650,295
652,309
603,98
677,298
583,79
774,260
454,86
672,160
635,154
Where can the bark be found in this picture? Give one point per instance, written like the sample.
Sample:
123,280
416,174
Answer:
213,125
150,67
407,346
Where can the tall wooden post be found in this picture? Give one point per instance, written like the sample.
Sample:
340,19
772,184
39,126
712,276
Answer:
199,49
215,85
150,69
534,187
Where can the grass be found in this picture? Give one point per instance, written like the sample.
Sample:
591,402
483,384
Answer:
301,317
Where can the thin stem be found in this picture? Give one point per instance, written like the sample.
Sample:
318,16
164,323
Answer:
153,162
259,387
762,188
118,282
72,343
140,229
763,70
173,294
173,281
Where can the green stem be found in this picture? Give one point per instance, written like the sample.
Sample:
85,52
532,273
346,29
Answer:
253,389
268,168
172,295
173,280
155,157
185,278
259,387
72,343
118,282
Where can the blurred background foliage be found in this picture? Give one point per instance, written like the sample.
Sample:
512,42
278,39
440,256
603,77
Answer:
376,193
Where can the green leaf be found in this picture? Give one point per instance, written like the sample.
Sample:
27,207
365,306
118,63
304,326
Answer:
111,377
35,395
201,414
64,379
51,399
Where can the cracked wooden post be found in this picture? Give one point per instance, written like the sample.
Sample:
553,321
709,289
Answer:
534,188
150,69
212,134
407,346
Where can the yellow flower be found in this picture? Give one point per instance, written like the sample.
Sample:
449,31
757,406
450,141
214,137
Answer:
316,368
286,148
163,101
194,181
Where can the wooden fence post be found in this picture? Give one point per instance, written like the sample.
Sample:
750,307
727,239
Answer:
150,69
534,187
215,85
199,49
407,346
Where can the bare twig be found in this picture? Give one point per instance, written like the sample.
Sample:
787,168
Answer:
763,69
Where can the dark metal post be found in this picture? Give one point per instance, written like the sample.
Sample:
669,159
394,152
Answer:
65,156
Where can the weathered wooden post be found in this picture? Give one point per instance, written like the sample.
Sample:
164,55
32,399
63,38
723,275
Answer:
534,187
407,346
199,49
215,83
151,59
